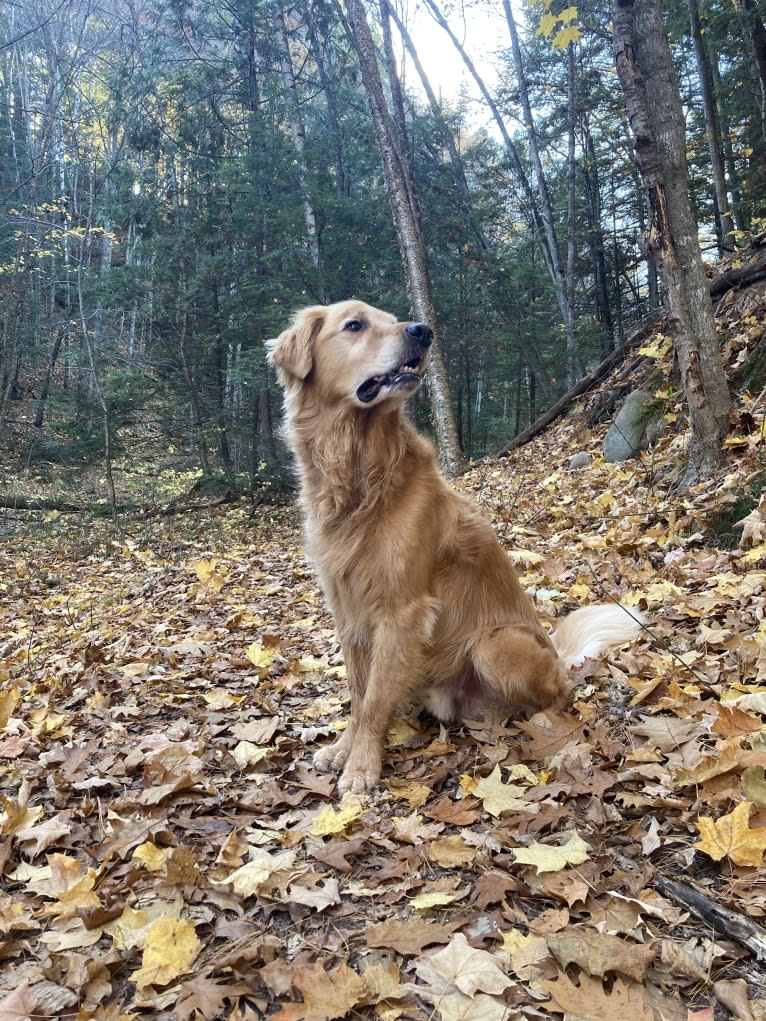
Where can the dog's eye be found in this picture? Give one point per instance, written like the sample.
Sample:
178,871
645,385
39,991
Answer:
354,325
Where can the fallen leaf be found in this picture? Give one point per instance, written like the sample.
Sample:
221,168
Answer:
599,953
328,994
259,872
551,858
496,796
20,1005
731,836
590,999
408,937
469,970
330,821
171,948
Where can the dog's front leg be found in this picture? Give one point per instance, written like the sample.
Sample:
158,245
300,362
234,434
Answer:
395,670
357,659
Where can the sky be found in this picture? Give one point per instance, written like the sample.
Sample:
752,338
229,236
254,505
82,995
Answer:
480,31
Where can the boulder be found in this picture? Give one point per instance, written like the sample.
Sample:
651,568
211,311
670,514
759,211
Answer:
638,424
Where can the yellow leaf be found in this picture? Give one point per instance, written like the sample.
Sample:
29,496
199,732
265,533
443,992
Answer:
8,701
568,14
553,859
426,901
565,36
72,885
260,658
247,754
547,25
153,858
127,930
731,836
654,350
415,794
207,574
400,732
499,797
755,554
328,821
171,948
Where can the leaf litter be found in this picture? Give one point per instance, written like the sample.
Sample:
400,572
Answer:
167,848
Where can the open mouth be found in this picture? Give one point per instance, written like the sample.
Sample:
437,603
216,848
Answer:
405,377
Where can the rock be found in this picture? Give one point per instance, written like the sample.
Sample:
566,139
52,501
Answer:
638,424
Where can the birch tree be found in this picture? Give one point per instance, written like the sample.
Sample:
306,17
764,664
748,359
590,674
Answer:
397,169
645,68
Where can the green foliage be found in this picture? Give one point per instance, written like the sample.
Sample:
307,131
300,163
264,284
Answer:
156,205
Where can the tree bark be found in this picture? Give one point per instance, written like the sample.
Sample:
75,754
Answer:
298,136
645,68
724,222
557,270
406,216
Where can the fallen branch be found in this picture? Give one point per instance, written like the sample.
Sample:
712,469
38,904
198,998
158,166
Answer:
584,385
743,276
725,921
37,504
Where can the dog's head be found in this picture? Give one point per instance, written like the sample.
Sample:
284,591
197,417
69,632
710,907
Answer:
351,352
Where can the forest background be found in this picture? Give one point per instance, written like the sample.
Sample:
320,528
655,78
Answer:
177,178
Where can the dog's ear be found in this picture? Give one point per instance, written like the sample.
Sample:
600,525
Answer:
292,352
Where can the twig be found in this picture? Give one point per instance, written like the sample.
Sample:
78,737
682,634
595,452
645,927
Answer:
725,921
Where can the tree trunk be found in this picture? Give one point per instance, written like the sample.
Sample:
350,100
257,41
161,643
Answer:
406,216
541,234
558,272
756,37
724,223
298,136
571,368
48,382
106,417
645,67
445,131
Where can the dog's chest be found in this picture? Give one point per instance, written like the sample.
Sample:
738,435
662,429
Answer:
359,569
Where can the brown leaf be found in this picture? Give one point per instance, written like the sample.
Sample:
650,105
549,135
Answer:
328,994
408,937
455,813
598,953
491,888
733,994
589,999
203,997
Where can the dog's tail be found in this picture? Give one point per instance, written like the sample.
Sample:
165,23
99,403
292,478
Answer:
588,632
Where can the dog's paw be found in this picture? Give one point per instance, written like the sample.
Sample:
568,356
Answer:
332,758
361,774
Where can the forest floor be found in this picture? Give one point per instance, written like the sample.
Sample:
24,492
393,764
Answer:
169,851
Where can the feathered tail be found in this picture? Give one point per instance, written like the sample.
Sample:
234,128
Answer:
588,632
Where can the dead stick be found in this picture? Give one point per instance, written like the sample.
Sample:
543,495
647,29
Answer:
725,921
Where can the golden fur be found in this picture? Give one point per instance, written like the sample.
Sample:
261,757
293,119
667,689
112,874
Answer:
426,603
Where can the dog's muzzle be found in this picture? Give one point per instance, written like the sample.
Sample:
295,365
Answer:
409,374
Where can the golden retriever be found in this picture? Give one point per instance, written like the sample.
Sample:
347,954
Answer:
426,603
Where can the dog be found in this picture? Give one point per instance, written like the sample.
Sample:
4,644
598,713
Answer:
427,605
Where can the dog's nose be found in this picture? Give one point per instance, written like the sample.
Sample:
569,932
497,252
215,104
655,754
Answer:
420,333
